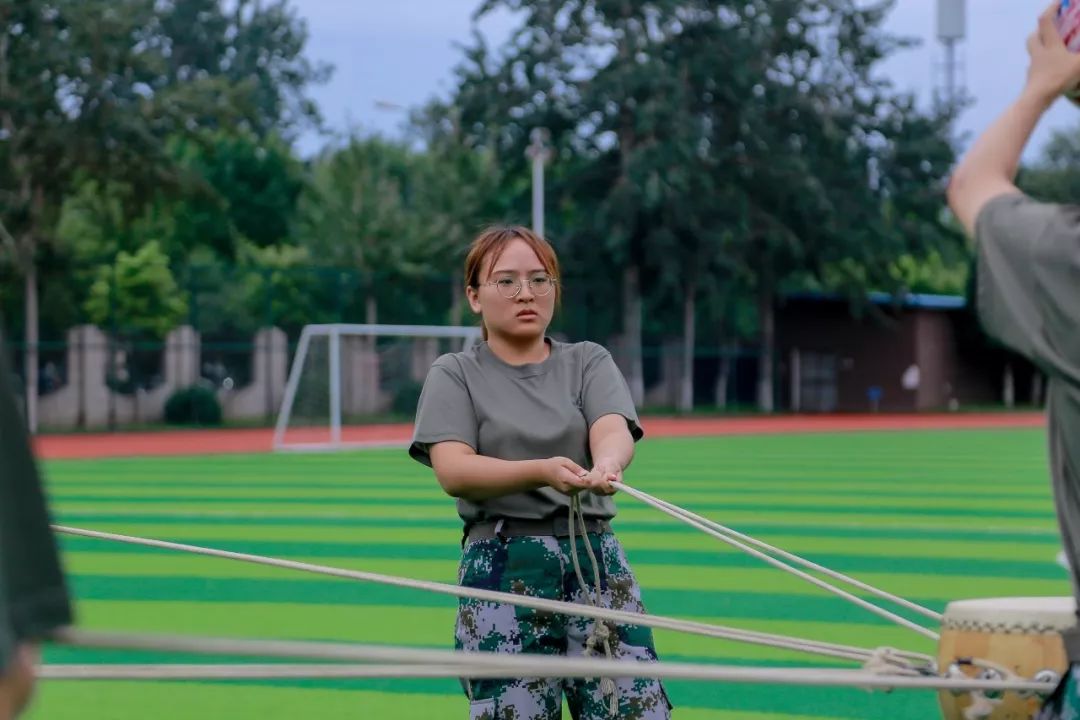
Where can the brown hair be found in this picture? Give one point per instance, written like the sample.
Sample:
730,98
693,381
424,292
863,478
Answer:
494,240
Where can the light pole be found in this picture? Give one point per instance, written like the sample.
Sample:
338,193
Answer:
539,152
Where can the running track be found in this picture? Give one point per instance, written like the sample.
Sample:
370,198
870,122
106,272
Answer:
212,442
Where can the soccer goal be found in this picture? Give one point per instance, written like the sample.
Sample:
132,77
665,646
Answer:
349,374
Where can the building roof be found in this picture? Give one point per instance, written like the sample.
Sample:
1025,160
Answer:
922,301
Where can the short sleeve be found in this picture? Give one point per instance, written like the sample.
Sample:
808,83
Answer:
34,598
605,392
445,411
1028,281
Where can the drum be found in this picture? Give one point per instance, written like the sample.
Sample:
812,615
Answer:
1021,634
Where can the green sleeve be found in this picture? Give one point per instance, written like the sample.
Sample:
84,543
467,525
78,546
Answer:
34,598
604,390
445,411
1028,282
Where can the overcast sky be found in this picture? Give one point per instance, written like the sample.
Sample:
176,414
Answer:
403,51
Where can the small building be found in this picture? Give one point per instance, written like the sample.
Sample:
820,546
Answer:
915,353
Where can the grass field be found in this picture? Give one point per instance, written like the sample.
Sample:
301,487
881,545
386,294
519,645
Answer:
932,516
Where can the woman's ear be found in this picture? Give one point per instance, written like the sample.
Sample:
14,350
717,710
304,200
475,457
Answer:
473,296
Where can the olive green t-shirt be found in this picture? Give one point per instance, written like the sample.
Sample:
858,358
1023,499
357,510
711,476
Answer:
1028,297
523,412
33,593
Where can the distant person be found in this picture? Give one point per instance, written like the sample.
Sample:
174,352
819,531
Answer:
1028,285
910,378
510,427
33,594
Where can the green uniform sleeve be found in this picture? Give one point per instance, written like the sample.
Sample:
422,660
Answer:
1028,282
445,411
34,598
604,390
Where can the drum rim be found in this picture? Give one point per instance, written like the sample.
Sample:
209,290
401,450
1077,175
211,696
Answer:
1011,614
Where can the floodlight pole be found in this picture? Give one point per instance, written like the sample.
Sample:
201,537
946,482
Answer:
539,152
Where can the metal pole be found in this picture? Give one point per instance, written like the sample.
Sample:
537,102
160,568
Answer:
291,387
335,386
950,73
540,153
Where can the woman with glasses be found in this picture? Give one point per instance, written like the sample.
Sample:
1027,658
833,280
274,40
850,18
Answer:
530,435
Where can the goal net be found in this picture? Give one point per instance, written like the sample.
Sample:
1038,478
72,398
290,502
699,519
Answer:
345,375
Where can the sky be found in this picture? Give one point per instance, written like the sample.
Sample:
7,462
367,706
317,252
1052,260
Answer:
402,52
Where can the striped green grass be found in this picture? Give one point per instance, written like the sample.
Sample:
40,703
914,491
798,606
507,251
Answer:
932,516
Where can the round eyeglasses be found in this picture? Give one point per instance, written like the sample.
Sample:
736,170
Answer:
509,288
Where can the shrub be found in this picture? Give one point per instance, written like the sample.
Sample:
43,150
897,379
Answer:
193,405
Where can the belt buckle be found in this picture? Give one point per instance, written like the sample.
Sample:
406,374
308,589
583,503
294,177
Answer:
560,526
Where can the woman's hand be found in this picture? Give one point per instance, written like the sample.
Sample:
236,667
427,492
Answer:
1053,69
605,475
565,475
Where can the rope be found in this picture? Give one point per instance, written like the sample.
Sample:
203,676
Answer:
834,650
883,594
983,704
600,634
660,505
133,671
418,662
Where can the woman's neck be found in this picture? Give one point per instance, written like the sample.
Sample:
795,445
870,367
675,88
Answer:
534,350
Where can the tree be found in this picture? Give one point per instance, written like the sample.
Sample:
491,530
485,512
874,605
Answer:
592,73
355,212
279,285
252,51
456,190
96,88
1055,175
719,141
240,188
843,173
137,294
74,79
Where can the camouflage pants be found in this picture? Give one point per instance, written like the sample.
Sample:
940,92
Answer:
541,566
1064,704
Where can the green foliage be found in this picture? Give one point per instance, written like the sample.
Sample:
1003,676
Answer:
253,50
195,405
932,274
356,213
457,186
127,121
1055,176
719,153
137,294
406,398
242,189
281,286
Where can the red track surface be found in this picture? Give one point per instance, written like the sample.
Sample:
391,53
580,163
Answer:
209,442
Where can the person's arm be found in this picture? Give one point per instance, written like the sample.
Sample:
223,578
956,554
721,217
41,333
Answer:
613,421
990,167
463,473
612,449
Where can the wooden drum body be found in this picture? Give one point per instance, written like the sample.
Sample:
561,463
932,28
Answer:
1022,635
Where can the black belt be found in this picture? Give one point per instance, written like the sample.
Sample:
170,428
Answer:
558,526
